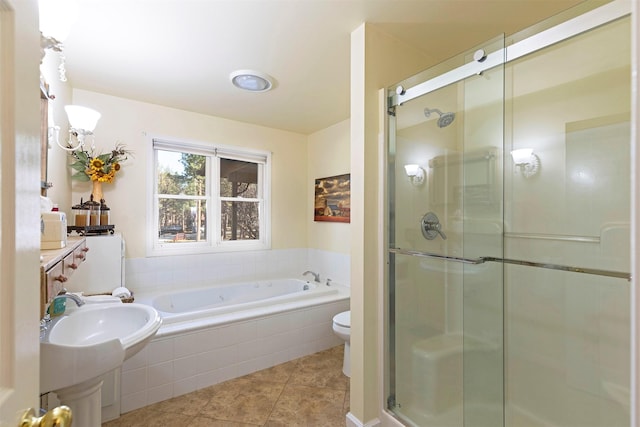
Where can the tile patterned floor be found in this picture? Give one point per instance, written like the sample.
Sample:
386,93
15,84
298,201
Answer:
310,391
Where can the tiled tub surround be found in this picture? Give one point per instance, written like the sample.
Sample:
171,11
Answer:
180,362
189,271
181,359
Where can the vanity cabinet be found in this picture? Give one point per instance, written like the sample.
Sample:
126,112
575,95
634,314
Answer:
57,266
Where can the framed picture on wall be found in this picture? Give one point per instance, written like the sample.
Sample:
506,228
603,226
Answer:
332,201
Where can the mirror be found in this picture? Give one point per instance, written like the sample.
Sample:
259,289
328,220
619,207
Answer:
45,134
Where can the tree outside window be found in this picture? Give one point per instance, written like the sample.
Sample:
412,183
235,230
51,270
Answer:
201,192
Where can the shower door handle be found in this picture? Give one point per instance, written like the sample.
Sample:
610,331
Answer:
431,227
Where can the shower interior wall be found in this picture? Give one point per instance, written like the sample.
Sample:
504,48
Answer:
566,334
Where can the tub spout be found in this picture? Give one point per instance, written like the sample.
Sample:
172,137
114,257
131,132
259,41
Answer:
316,276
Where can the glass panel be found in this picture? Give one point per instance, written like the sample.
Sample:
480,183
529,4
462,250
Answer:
445,333
428,359
240,221
566,357
238,179
181,220
568,334
568,349
181,173
482,219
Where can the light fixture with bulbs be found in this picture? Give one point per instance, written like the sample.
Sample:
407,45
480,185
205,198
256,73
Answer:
415,173
527,161
251,80
82,122
56,19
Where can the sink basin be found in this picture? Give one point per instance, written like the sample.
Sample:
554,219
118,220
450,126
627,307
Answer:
92,340
132,324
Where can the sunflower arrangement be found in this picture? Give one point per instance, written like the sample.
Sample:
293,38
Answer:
101,167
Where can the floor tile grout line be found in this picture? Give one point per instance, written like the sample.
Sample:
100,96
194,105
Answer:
295,366
275,403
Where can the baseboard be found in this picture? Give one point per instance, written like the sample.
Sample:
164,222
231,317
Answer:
353,421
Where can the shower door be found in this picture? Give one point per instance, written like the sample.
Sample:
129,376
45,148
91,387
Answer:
508,244
444,310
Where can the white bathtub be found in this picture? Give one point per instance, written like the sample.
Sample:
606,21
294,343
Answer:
223,296
213,334
192,309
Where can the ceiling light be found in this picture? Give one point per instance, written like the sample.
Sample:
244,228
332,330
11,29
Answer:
253,81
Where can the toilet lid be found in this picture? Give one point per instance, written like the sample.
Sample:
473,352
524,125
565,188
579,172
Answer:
343,319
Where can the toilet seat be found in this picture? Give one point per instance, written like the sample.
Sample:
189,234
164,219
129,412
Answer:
343,319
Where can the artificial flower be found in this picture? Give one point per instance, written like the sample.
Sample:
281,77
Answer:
101,167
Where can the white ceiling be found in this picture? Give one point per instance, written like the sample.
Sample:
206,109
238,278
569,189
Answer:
179,53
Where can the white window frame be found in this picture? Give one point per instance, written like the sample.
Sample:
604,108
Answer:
213,241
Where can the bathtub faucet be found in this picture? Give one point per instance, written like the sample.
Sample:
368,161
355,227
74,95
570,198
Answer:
316,276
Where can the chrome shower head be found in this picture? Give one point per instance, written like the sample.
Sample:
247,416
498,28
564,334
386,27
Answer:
445,118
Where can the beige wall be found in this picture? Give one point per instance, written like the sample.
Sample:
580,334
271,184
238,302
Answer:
328,155
377,61
133,122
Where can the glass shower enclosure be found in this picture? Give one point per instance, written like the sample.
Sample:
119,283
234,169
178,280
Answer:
508,241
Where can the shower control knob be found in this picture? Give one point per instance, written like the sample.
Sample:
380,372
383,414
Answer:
431,227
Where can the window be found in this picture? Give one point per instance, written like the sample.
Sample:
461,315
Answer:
208,198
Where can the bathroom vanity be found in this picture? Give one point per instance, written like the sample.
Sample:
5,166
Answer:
57,266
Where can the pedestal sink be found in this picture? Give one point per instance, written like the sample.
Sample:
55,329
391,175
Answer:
76,349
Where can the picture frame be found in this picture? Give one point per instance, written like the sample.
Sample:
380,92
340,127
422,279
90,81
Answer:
332,200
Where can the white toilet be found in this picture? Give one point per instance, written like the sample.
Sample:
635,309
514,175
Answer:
342,328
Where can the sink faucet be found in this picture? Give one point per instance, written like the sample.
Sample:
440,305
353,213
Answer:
316,276
44,322
73,297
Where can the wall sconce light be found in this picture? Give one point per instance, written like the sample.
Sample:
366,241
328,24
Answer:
527,161
82,122
56,19
415,173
